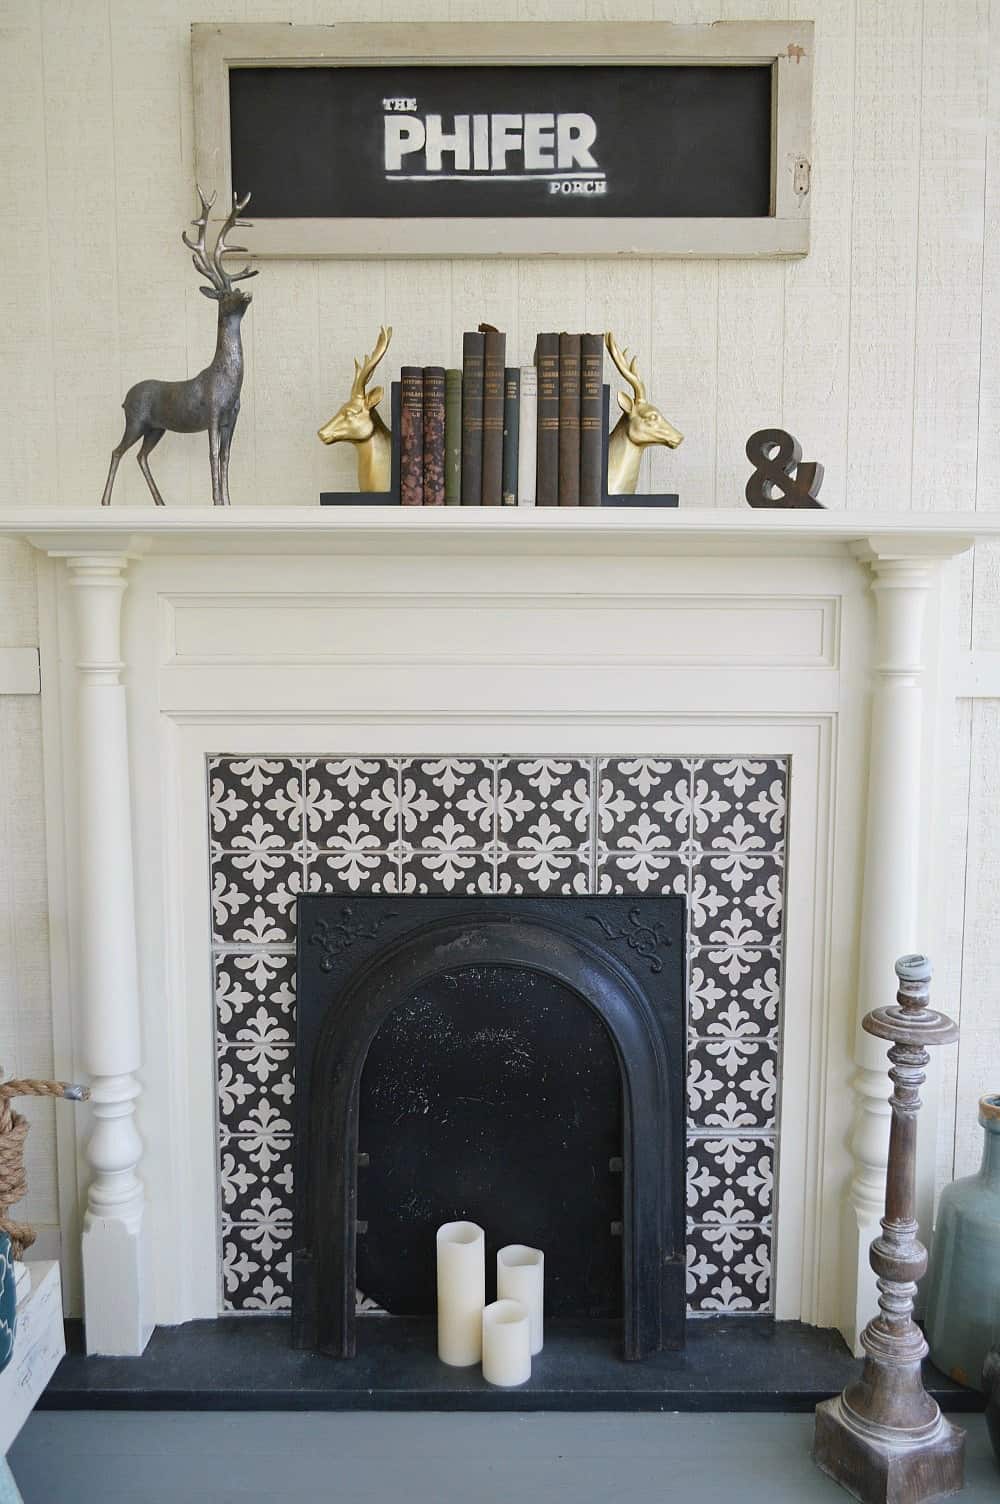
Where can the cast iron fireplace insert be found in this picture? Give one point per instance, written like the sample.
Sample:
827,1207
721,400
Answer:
515,1061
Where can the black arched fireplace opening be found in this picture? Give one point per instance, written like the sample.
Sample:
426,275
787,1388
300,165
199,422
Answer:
515,1061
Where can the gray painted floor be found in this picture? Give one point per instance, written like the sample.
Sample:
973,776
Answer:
106,1458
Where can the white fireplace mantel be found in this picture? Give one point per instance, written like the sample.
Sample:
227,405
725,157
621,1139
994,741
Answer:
165,637
535,530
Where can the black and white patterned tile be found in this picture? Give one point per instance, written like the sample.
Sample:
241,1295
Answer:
545,869
734,989
254,893
252,1278
447,869
709,829
255,798
447,803
544,802
729,1270
351,803
643,803
732,1083
252,1171
738,799
730,1179
643,870
246,983
353,870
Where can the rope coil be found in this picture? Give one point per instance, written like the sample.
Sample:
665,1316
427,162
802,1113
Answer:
13,1132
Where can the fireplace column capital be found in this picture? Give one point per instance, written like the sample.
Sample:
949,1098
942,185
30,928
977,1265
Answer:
116,1256
900,581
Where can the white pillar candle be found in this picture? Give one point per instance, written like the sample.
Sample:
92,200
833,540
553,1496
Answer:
461,1292
506,1343
520,1276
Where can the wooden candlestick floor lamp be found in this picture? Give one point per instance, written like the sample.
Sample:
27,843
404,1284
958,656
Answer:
884,1439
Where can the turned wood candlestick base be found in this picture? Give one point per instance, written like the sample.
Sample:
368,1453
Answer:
884,1439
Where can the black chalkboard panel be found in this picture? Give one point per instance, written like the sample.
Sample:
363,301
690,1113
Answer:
407,141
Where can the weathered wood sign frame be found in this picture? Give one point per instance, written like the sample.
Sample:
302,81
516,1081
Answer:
786,47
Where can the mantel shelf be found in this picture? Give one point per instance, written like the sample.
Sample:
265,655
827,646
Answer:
489,531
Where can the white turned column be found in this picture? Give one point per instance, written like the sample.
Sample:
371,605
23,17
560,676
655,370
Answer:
116,1262
889,913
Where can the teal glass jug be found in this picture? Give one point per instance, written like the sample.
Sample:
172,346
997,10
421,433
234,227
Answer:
963,1282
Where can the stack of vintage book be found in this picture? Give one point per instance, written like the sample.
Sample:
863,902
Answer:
497,435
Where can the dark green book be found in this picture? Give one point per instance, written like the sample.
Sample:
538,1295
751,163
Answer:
493,369
452,437
547,442
591,417
473,345
511,429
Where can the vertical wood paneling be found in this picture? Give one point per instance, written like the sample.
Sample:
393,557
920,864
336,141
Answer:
683,377
29,446
551,295
487,292
885,229
285,377
25,998
950,255
948,970
751,335
83,240
815,358
979,1046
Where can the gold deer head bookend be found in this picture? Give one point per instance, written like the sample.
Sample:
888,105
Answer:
359,424
640,425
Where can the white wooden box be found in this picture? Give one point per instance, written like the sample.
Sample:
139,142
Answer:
39,1343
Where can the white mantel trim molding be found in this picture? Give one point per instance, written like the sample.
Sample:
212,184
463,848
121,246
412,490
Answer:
258,702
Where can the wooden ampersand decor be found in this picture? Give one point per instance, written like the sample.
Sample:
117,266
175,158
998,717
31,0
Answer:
781,478
884,1439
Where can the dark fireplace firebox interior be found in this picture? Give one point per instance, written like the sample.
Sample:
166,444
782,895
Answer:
515,1061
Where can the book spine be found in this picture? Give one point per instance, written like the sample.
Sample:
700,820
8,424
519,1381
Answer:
472,419
493,369
452,437
527,437
411,437
591,417
569,420
433,436
547,449
511,421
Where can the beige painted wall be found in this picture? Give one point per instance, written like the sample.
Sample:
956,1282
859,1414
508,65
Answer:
881,351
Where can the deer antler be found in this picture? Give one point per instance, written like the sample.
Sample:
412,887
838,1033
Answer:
227,278
365,368
627,371
202,263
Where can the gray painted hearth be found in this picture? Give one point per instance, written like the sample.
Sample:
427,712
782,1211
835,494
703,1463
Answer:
712,829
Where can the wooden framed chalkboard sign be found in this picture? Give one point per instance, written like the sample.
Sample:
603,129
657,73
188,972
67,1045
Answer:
520,139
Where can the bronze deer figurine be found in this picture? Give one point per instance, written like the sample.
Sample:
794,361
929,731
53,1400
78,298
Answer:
210,400
640,425
359,424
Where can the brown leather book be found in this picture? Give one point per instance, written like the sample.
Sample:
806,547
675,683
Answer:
433,436
411,436
493,369
547,438
591,418
569,420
